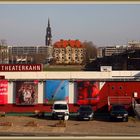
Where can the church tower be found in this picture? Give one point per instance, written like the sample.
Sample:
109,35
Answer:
48,41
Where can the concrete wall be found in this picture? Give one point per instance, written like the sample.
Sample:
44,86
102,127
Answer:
70,75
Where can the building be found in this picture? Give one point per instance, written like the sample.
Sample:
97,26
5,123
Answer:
4,55
77,88
100,52
134,44
110,50
32,54
68,52
48,39
29,54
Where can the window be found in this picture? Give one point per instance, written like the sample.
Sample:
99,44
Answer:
113,87
121,87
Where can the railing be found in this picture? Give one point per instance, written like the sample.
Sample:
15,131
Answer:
119,100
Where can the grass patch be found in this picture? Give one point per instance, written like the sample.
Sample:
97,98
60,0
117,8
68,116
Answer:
63,68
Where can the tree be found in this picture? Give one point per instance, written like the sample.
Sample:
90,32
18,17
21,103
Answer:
91,50
3,42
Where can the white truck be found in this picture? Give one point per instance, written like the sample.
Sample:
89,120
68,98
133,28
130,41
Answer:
60,110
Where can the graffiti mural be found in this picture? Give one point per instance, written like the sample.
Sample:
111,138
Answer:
26,92
56,90
87,92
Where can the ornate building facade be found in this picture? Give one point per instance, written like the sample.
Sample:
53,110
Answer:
69,52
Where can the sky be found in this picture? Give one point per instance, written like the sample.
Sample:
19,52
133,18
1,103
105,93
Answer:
103,24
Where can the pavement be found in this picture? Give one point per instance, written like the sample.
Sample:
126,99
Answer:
45,127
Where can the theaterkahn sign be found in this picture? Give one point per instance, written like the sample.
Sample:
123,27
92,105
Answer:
20,67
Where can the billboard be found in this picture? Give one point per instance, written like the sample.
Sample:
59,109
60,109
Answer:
56,90
3,92
26,92
87,92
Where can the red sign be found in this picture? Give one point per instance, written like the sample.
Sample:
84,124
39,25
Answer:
3,91
20,67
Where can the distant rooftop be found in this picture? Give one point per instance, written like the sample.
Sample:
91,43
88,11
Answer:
64,43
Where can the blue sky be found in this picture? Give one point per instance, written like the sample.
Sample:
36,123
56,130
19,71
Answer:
103,24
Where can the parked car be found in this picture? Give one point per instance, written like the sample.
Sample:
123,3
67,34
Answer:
60,109
85,112
118,112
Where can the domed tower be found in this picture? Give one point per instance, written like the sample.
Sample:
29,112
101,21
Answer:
48,41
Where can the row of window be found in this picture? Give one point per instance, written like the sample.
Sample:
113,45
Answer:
57,57
63,50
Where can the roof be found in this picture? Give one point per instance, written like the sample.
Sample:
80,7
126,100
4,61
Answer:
64,43
60,102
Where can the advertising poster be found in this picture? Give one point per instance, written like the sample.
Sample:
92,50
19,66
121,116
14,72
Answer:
56,90
87,92
3,92
26,92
